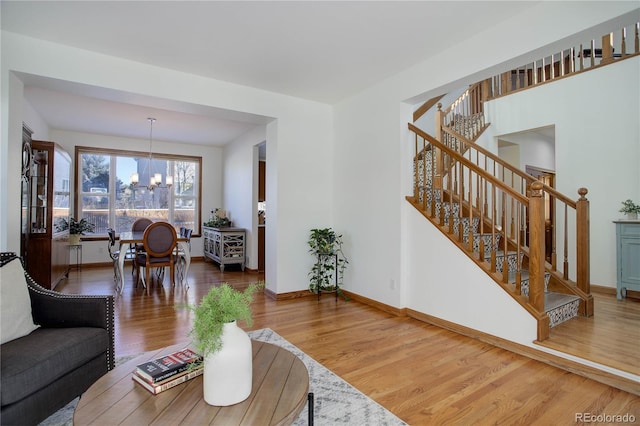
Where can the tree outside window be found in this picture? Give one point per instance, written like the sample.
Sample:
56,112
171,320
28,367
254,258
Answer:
107,198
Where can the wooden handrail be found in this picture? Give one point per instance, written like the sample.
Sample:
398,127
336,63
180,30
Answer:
527,180
460,158
425,107
478,182
473,92
525,176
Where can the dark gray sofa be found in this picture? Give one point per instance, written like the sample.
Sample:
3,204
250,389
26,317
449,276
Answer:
48,368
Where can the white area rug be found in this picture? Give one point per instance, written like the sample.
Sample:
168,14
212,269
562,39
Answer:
336,401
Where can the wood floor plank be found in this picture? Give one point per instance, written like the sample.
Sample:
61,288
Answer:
422,373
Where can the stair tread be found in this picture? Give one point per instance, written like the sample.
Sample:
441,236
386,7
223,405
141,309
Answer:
554,300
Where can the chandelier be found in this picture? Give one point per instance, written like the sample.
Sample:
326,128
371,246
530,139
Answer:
155,180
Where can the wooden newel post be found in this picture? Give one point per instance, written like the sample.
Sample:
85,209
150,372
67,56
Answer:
582,241
536,247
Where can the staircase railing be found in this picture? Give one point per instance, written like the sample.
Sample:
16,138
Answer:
583,57
465,116
509,205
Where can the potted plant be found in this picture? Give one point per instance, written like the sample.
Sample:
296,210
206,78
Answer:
76,228
630,209
226,348
218,219
328,272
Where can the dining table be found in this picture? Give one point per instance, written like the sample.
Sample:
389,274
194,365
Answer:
137,237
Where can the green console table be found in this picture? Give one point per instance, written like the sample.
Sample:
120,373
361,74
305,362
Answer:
628,256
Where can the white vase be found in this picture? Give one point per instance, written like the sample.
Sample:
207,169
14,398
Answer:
74,239
228,373
632,216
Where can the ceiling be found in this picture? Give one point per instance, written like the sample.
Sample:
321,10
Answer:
324,51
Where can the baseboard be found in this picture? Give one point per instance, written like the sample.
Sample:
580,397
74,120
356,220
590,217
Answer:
612,290
602,289
592,373
399,312
103,264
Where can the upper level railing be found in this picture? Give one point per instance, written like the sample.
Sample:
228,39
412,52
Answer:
589,55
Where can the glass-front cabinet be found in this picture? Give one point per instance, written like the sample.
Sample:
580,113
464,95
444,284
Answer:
47,251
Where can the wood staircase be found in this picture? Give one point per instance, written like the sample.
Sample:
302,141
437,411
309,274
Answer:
495,214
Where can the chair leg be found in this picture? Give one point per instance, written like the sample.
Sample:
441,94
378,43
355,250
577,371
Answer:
146,275
116,274
310,408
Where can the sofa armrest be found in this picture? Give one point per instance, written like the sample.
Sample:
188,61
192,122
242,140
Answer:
51,309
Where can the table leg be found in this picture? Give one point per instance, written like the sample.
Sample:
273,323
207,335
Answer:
121,267
184,246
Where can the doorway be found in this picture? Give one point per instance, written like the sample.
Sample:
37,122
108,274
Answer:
262,205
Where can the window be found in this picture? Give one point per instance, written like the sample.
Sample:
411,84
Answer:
106,197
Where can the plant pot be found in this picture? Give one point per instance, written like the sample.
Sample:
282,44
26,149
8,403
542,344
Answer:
74,239
228,373
632,216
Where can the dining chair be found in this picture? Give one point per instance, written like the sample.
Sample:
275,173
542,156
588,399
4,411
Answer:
180,253
159,243
139,225
115,254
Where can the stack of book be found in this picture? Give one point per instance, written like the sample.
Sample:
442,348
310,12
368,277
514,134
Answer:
163,373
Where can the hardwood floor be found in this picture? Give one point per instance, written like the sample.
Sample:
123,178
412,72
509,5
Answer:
611,337
424,374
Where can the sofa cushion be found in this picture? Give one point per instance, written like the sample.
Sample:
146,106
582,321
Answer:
32,362
15,303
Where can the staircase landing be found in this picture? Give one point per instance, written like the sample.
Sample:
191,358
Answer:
610,337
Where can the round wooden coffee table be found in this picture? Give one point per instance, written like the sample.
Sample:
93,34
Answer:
280,389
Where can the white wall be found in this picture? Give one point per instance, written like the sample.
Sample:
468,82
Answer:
34,121
533,149
299,140
596,115
474,295
240,188
10,162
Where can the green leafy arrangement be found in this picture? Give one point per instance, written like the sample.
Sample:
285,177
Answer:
75,226
326,245
222,304
629,206
218,219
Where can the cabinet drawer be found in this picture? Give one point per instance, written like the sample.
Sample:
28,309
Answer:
630,229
